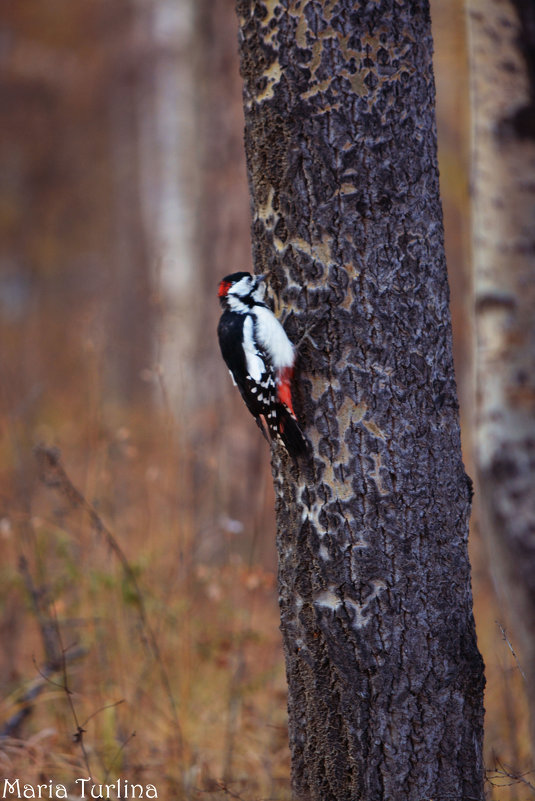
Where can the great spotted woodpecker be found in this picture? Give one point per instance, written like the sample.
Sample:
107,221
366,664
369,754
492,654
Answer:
260,358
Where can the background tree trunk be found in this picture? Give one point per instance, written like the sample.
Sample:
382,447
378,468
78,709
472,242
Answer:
503,98
385,679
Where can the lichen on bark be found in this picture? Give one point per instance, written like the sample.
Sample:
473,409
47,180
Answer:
385,679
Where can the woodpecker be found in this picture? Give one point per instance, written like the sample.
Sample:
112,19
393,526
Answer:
260,358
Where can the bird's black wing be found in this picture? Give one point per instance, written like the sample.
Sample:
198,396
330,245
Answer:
230,335
258,397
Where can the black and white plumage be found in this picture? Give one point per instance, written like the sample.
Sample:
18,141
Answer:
260,358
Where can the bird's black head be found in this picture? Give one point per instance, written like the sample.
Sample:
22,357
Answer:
241,289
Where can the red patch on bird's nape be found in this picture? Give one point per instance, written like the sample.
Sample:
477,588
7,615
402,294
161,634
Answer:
224,287
284,389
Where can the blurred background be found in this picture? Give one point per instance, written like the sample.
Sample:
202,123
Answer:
138,603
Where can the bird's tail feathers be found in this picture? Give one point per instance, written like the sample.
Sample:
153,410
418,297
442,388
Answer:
293,438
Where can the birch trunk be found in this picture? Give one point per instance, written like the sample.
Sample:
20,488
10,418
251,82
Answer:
503,100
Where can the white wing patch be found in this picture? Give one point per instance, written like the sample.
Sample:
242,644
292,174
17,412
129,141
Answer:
273,337
255,364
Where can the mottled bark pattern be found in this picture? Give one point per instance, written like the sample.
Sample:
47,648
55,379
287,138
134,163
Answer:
385,679
503,80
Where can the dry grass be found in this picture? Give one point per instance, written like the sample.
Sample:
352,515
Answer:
141,625
508,761
169,667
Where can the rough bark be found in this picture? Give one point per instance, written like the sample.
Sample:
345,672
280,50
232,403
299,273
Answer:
503,99
385,679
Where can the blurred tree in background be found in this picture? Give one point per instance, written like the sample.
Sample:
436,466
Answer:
503,99
123,199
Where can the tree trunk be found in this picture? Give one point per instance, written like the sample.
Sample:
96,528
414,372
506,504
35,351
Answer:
503,100
385,679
